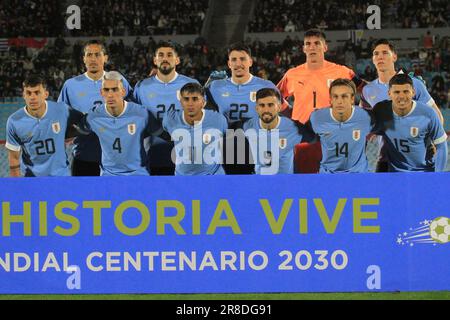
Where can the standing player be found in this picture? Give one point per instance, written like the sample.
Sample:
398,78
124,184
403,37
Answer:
198,134
308,84
384,56
342,130
235,98
161,93
82,93
36,133
272,138
413,127
121,127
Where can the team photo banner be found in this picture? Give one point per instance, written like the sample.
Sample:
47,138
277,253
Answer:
225,234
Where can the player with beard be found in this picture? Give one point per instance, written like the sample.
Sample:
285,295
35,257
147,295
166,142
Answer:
161,93
82,93
235,98
272,138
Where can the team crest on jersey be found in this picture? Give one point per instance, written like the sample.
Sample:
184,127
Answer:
132,128
206,138
56,127
283,143
225,94
82,94
253,96
414,132
151,95
356,135
178,95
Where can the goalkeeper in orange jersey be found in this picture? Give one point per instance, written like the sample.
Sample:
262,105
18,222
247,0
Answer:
308,84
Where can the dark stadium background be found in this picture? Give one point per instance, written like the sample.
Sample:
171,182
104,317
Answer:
34,39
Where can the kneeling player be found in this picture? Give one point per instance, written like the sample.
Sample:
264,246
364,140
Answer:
36,133
412,128
197,134
272,138
342,130
121,127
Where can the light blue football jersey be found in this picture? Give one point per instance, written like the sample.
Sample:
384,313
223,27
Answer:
408,137
41,141
197,148
237,102
273,150
122,138
160,97
376,91
82,93
343,143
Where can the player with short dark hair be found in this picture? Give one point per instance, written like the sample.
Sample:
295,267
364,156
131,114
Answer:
161,93
272,138
308,84
197,133
36,133
384,56
413,127
342,129
235,98
121,127
82,93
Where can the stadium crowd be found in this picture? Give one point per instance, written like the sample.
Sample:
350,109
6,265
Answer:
298,15
39,18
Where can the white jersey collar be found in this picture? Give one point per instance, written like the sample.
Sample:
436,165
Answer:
278,125
86,74
174,78
411,111
121,114
241,84
351,116
45,113
195,124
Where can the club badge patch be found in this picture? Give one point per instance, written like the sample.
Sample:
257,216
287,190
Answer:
283,143
132,128
253,96
206,138
356,135
414,132
56,127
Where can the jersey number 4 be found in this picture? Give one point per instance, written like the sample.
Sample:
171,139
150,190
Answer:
117,146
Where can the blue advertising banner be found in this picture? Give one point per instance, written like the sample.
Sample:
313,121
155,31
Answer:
285,233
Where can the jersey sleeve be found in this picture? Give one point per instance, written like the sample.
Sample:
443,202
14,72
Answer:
137,93
12,140
437,133
283,86
223,124
64,95
422,94
154,127
129,95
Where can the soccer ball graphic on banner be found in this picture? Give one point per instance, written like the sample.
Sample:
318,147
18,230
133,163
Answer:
440,230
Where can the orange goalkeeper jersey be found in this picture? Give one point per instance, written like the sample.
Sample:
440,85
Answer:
310,87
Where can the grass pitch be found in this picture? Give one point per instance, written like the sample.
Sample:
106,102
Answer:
433,295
